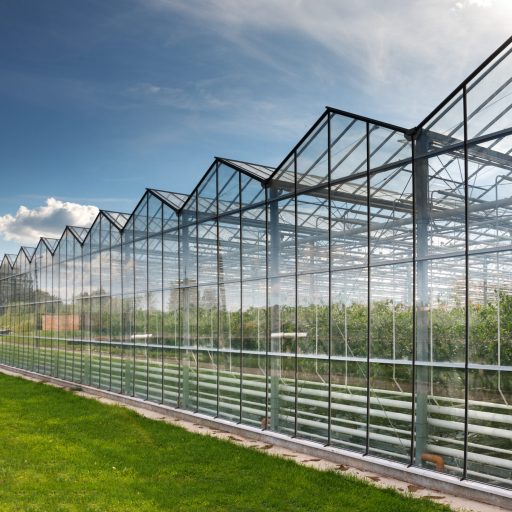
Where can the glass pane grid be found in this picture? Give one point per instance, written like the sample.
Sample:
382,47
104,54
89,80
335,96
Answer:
359,296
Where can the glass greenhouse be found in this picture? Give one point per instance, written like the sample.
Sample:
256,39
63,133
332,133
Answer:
359,295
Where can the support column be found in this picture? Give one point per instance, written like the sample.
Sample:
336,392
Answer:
422,342
274,292
184,251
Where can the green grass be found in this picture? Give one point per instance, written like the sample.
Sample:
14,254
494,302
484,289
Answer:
61,452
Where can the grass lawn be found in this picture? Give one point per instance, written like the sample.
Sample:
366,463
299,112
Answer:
61,452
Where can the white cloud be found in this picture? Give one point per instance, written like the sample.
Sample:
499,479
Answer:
28,225
478,3
406,54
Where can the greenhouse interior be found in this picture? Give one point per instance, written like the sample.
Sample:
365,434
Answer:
358,295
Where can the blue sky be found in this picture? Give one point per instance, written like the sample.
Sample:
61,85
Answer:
99,99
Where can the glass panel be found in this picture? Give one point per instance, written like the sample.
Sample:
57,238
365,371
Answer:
439,428
440,329
140,220
490,193
349,224
230,344
154,339
490,361
281,233
188,350
348,146
128,311
154,262
490,426
154,214
313,231
188,255
313,352
387,146
189,212
391,313
117,343
207,195
440,353
254,243
229,189
312,158
207,252
140,341
490,335
229,247
85,333
391,215
207,355
489,97
349,326
254,362
391,341
170,255
282,354
253,191
171,342
313,315
169,218
116,266
440,205
188,312
284,181
444,130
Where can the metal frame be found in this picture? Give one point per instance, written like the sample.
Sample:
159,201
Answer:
392,198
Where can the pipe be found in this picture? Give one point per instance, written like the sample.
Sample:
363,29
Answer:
436,459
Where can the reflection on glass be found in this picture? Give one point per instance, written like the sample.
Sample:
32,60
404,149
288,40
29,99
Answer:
355,296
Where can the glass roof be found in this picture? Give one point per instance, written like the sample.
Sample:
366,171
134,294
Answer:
342,146
174,199
117,218
260,172
51,243
29,251
79,232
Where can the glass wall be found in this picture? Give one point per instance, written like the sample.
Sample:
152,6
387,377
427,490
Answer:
358,296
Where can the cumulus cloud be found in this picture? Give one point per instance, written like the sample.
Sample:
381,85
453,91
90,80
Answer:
49,220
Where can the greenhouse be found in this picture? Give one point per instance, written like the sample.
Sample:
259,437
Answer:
358,295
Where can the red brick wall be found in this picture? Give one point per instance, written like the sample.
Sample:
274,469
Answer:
60,322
